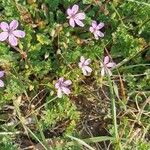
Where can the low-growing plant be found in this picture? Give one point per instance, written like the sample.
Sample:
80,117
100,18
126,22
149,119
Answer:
74,74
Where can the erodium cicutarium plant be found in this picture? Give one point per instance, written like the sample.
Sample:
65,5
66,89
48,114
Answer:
10,33
75,17
62,87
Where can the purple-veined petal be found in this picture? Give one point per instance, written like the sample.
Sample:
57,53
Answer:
106,60
59,93
13,25
111,64
88,69
1,83
100,25
84,72
13,40
66,90
103,72
79,23
71,22
3,36
57,85
99,33
19,33
94,24
75,9
4,26
91,29
69,12
87,62
61,79
68,82
80,16
1,73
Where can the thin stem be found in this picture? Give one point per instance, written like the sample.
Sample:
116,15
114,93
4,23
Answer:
10,133
40,107
119,16
131,56
141,3
36,138
41,133
114,112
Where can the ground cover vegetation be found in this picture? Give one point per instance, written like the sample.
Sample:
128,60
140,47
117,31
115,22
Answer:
74,74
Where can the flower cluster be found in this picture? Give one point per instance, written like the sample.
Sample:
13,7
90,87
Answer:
10,32
62,86
76,17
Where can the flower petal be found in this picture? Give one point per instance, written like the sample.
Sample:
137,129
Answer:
84,71
82,59
71,22
59,93
103,72
1,83
13,25
80,64
106,60
68,82
87,62
1,74
94,24
96,36
111,64
75,9
4,26
19,33
69,12
57,85
100,25
91,29
3,36
80,16
66,90
88,69
99,33
13,40
79,23
61,79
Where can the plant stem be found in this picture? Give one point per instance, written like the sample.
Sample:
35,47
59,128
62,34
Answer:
41,133
131,56
36,138
140,3
114,113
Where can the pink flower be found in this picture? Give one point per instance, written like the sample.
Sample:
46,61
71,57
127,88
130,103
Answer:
95,29
62,87
10,32
75,17
106,65
83,64
1,82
